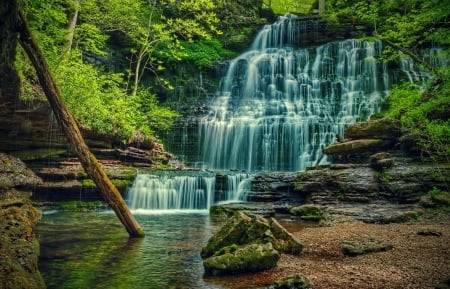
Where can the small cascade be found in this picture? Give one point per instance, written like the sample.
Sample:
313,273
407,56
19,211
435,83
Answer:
168,191
278,106
237,185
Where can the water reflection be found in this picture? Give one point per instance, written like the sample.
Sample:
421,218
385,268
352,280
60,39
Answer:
92,250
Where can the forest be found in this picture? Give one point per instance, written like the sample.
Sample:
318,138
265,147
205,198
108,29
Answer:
241,144
113,60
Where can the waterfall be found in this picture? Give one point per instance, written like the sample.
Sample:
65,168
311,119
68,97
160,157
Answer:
184,190
169,191
277,106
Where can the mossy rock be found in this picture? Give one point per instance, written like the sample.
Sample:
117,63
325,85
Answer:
248,258
308,212
80,206
296,281
437,200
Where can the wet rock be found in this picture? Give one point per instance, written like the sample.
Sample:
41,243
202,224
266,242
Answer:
363,245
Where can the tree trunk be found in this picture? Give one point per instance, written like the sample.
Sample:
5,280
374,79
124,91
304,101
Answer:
72,23
70,128
9,80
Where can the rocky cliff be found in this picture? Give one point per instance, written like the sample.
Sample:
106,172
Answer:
19,248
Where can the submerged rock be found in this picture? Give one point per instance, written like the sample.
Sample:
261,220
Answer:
248,243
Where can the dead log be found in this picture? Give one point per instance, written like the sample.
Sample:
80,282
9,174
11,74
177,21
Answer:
70,128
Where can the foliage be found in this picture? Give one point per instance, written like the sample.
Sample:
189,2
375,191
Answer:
150,34
204,52
407,27
424,115
282,7
408,24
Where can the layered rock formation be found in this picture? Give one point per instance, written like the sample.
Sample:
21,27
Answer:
19,248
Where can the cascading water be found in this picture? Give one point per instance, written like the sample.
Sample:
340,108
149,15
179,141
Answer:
168,191
279,106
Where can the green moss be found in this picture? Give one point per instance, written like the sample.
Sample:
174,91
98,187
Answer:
308,212
436,198
79,205
37,154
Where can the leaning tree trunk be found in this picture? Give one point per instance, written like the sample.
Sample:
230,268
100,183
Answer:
70,128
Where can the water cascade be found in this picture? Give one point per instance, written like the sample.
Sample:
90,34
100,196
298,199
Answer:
278,106
168,191
192,190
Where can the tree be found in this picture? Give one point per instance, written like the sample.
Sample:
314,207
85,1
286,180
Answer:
17,25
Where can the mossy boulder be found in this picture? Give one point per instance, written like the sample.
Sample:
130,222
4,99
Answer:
230,249
248,258
308,212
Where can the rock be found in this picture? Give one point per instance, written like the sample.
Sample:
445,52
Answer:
308,212
381,161
243,234
14,173
363,245
19,248
384,128
354,147
429,232
248,258
296,281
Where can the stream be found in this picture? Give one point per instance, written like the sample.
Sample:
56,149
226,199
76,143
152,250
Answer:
92,250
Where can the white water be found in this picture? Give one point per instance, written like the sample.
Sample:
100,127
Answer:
279,106
171,192
276,109
182,192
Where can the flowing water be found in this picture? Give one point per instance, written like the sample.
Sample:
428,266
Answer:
276,108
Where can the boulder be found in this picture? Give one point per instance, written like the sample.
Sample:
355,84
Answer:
384,128
363,245
354,147
237,259
248,243
296,281
308,212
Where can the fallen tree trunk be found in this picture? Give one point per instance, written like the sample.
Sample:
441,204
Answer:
70,128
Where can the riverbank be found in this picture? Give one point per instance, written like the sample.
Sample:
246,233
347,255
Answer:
415,261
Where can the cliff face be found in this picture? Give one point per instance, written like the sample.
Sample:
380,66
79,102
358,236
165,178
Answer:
19,248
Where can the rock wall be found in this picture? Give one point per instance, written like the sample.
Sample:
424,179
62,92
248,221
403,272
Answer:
19,248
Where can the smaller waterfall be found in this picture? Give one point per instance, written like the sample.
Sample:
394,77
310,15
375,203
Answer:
165,191
237,185
158,191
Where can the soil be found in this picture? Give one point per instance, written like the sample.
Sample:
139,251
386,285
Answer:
416,261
